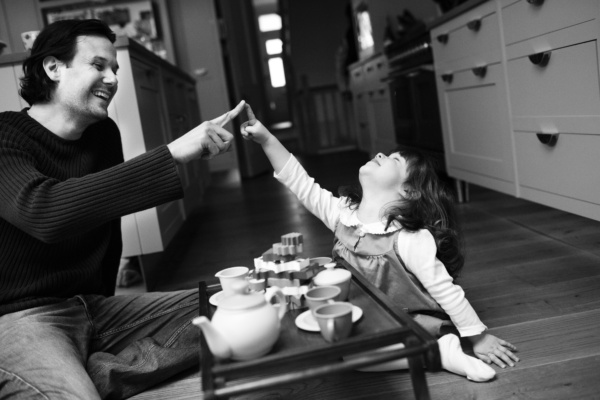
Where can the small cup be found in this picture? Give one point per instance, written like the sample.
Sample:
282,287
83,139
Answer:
320,295
332,276
335,320
28,38
228,276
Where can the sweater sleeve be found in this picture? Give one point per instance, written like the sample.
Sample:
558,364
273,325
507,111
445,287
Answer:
418,250
322,203
50,209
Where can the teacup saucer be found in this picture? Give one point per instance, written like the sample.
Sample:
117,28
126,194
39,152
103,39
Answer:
307,322
215,298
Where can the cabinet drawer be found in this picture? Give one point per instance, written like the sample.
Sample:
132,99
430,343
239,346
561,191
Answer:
357,78
523,20
567,85
475,33
476,124
473,76
374,71
567,169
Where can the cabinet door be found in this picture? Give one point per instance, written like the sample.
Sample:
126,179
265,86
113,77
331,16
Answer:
477,135
156,132
10,99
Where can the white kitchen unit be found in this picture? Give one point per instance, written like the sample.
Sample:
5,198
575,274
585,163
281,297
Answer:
541,127
156,102
473,101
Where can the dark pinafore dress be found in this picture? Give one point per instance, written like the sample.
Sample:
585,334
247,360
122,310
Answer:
376,257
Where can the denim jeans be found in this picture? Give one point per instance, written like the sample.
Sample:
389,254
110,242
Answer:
95,347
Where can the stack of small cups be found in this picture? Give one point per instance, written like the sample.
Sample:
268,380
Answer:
327,302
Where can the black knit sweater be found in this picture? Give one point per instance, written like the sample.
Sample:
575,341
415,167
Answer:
60,208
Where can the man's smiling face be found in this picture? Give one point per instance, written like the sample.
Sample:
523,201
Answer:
88,82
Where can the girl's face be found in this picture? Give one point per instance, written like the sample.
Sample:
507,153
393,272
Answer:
385,173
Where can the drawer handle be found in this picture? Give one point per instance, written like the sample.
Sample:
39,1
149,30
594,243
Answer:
447,78
540,59
536,2
474,25
442,38
549,139
480,71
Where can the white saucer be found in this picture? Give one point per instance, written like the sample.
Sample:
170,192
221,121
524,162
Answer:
214,299
307,322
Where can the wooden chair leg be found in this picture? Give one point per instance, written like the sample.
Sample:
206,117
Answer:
417,375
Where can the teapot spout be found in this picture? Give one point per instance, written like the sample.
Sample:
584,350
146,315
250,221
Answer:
216,343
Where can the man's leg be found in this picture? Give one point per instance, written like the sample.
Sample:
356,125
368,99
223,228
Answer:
43,353
141,340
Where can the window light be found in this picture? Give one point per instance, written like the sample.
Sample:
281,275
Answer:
276,71
269,22
274,46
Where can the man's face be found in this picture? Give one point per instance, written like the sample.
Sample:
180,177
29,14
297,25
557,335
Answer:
89,82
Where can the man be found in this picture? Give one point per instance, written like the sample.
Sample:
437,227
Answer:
63,188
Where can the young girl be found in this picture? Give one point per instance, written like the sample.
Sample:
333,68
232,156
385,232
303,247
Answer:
398,229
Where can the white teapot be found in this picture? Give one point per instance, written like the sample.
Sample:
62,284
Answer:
245,325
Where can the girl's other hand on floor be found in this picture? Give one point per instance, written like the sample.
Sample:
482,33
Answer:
491,349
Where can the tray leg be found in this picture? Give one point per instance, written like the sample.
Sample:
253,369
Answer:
417,375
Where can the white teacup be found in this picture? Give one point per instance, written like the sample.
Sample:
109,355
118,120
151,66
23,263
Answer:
332,276
320,295
28,38
228,276
335,320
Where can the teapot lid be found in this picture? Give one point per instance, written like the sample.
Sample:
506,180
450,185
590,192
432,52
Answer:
242,298
332,275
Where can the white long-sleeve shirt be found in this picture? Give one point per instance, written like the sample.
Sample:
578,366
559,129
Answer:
416,249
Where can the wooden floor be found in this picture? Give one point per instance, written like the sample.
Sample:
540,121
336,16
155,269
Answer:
532,274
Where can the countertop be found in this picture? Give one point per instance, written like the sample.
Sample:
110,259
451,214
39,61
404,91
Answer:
464,7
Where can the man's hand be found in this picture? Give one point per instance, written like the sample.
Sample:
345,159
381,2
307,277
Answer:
491,349
207,140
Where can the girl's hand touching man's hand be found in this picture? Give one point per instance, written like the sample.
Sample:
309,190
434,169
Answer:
491,349
253,129
205,141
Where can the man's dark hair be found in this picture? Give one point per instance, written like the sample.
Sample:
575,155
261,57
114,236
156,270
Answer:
59,39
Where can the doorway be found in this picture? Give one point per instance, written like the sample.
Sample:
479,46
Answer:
275,79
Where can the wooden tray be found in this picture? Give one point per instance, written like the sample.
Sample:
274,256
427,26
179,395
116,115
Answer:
300,355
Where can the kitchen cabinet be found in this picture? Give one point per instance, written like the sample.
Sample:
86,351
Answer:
473,99
156,102
531,125
552,70
372,105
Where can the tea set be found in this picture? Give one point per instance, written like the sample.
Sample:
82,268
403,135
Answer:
251,304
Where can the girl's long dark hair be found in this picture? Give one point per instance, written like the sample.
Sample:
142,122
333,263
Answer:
428,204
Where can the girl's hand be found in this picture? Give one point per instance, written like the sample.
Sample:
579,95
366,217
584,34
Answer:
253,129
491,349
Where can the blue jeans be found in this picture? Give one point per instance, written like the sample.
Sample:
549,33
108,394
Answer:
95,347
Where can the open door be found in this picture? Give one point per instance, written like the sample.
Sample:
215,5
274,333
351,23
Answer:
243,68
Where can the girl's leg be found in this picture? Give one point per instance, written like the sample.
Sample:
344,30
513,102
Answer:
453,360
141,340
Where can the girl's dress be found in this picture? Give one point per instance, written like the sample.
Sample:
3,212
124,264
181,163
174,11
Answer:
401,264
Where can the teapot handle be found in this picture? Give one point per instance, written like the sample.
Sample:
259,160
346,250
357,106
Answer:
275,291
